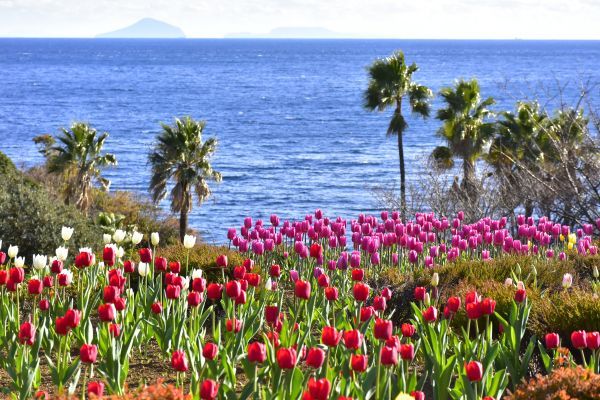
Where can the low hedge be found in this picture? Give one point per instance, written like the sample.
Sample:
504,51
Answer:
561,384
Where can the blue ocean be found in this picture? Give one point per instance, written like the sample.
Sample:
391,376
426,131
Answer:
293,135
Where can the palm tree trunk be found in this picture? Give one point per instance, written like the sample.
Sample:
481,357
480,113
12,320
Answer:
402,176
183,223
468,184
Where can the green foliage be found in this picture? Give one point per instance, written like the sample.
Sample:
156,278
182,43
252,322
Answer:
32,219
563,383
7,167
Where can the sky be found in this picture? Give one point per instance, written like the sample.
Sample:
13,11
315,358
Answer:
409,19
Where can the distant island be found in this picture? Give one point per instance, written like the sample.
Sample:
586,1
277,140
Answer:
290,33
147,28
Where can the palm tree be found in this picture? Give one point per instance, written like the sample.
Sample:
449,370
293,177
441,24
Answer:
181,156
390,82
78,155
520,140
465,128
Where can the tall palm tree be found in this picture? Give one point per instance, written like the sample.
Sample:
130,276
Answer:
465,128
78,155
390,82
182,157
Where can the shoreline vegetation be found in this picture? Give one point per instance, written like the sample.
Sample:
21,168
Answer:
481,285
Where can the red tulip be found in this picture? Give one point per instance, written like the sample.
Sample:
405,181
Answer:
209,390
253,279
175,267
129,266
27,333
286,358
366,313
579,339
383,329
257,352
331,293
330,336
160,264
35,287
379,303
210,350
360,292
389,356
120,303
420,293
194,299
358,274
222,261
145,255
198,285
56,266
96,388
88,353
233,325
108,256
316,251
353,339
474,310
156,308
471,297
44,304
73,318
408,330
430,315
488,306
107,312
474,371
17,274
233,289
552,340
111,293
178,361
114,329
315,357
394,341
214,291
48,281
407,351
323,280
272,314
359,362
62,326
173,292
418,395
84,259
302,289
3,277
593,340
454,304
319,388
386,293
275,271
520,295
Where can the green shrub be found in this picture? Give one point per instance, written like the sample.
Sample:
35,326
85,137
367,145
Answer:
562,384
31,218
7,167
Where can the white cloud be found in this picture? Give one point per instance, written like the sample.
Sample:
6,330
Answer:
567,19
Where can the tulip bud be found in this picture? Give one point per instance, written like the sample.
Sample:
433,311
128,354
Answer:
188,241
595,272
62,253
12,251
567,280
106,238
66,233
154,238
435,279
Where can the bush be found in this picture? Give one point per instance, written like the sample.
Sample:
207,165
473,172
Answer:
31,218
142,214
7,167
562,384
158,391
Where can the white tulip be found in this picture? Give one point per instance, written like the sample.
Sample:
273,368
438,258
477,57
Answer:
39,261
13,251
508,282
19,262
66,233
197,273
435,279
595,272
136,238
185,283
269,284
62,253
567,281
101,265
427,299
143,269
86,250
118,236
106,238
120,252
189,241
520,285
129,292
154,238
0,244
